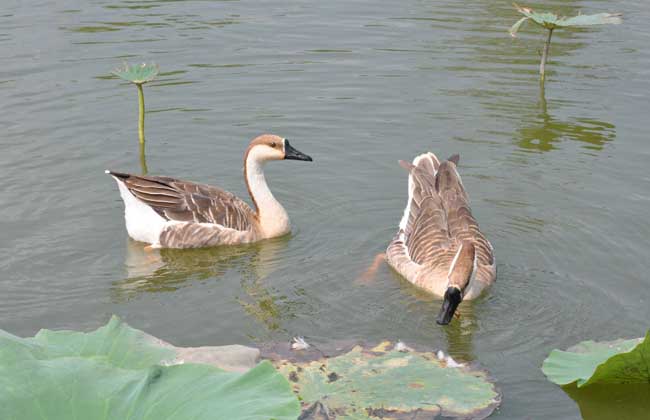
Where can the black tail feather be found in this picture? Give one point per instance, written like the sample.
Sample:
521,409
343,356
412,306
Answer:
120,175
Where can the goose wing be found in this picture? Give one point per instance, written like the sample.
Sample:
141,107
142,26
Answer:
423,235
461,224
185,201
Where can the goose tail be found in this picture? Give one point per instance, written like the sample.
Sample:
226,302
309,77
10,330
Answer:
428,162
427,165
119,176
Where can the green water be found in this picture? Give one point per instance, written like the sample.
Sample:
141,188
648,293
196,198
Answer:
559,181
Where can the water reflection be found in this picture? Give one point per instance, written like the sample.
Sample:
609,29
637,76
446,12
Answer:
460,333
621,402
133,17
167,270
542,131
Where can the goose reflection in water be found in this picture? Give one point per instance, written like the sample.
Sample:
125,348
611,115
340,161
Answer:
167,270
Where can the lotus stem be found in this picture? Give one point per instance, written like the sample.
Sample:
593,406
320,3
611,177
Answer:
141,119
143,160
547,46
542,98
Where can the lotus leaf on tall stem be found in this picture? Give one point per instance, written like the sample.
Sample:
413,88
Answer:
552,21
139,74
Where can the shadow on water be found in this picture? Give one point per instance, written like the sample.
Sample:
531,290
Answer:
621,402
168,270
542,131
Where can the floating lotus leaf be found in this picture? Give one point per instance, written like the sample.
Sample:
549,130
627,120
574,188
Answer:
138,73
612,362
118,372
552,21
385,383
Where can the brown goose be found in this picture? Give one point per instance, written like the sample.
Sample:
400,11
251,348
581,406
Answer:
170,213
439,246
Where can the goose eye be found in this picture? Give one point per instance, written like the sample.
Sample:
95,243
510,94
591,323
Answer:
273,144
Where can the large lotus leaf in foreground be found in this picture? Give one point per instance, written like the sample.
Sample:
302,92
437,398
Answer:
389,384
611,362
118,372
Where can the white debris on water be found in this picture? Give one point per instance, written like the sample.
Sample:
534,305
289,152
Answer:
452,363
448,360
173,362
299,343
400,346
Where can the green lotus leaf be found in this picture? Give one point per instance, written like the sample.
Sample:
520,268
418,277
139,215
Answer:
138,74
597,19
611,362
118,372
514,28
546,19
385,383
552,21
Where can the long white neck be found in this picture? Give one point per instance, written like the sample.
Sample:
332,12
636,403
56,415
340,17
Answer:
273,218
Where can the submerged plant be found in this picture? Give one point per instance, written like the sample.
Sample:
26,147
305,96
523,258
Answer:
551,21
139,74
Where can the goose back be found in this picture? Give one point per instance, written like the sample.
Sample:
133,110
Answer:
184,201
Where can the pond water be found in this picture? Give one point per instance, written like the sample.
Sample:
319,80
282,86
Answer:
558,180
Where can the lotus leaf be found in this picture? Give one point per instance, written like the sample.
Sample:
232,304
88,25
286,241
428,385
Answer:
382,382
552,21
612,362
588,20
138,74
118,372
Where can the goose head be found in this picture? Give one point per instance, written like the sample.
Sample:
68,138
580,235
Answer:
271,147
461,271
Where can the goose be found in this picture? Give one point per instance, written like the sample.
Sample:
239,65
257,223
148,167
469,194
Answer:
439,246
169,213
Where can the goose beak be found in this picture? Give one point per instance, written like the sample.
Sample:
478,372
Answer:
291,153
452,299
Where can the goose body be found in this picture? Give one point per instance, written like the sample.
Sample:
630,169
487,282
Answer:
170,213
439,246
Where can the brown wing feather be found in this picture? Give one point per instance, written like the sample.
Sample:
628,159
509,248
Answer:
462,225
426,229
185,201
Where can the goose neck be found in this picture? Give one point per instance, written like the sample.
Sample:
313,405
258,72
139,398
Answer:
272,217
